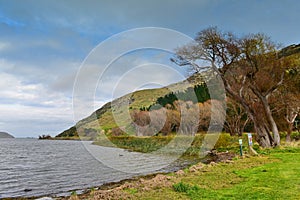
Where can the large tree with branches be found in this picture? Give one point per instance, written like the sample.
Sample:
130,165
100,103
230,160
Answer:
250,69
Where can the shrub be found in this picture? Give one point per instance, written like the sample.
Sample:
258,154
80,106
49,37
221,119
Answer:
184,187
181,187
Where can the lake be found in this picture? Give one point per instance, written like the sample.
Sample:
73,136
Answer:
31,167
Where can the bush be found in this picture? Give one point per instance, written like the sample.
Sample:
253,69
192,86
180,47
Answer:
45,137
294,135
184,187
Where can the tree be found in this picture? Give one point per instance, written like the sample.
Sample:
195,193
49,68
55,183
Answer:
141,121
236,118
292,108
250,69
287,100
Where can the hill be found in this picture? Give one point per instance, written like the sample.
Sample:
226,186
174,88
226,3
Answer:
5,135
102,120
290,50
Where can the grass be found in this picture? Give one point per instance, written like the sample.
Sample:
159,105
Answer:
139,144
275,174
177,144
265,177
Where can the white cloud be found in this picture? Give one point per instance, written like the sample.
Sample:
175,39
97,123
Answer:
26,120
32,107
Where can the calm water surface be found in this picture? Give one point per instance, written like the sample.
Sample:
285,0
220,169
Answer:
31,167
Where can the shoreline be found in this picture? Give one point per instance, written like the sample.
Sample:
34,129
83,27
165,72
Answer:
124,183
106,190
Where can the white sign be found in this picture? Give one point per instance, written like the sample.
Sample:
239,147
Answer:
240,141
250,139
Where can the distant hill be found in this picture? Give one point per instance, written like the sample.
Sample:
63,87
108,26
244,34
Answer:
5,135
290,50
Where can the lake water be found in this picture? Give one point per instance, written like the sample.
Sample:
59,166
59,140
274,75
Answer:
31,167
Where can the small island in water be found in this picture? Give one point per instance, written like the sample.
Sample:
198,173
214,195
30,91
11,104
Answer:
5,135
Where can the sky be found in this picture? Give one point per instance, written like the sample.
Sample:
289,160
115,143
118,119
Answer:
45,44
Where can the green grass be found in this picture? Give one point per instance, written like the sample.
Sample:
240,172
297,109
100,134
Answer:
193,146
139,144
276,180
276,176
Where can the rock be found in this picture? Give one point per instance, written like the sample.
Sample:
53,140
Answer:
27,190
142,180
192,169
146,188
199,166
196,167
159,178
179,173
228,161
213,163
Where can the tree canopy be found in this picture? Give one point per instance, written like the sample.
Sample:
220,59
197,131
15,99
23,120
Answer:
252,71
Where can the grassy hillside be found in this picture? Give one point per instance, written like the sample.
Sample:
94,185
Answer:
105,121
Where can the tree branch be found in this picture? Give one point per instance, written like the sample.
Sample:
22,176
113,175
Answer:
274,87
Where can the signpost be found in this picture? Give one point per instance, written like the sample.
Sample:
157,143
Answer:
250,142
250,139
241,146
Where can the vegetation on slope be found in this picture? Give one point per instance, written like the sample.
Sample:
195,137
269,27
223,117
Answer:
103,119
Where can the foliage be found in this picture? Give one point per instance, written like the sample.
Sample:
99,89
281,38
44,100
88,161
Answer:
44,137
224,142
236,118
295,135
71,132
198,94
183,187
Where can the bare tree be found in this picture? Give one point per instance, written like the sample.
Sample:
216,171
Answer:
250,69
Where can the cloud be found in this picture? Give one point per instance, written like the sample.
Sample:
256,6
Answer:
31,109
26,120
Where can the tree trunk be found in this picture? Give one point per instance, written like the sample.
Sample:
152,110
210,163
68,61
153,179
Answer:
264,137
289,132
290,118
271,121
